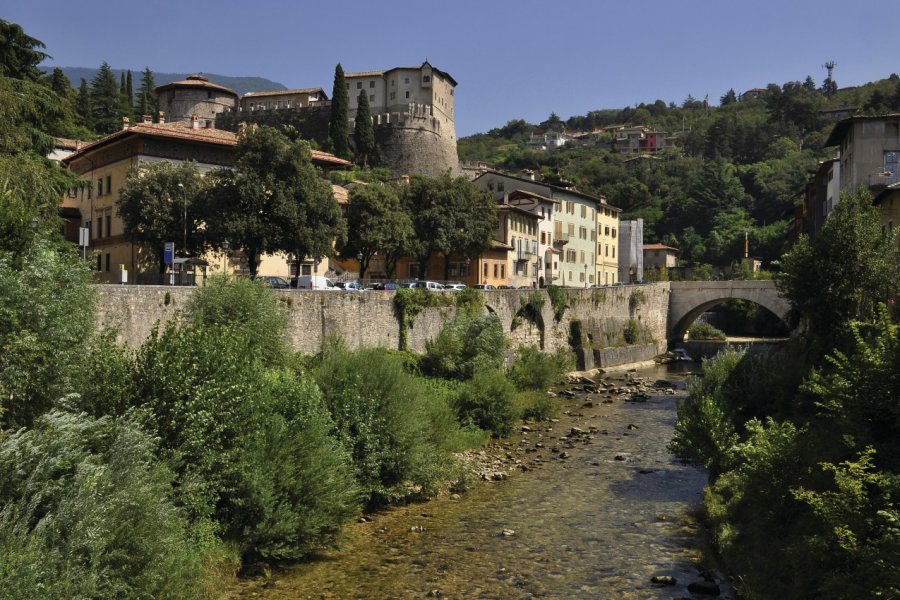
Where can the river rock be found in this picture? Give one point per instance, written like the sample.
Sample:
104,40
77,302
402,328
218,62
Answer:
526,429
709,588
507,532
619,457
663,580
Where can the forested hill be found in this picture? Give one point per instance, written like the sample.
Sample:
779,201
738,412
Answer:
241,85
739,166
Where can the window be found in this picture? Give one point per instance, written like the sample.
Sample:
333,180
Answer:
583,211
426,78
502,271
371,84
371,97
99,227
407,94
99,187
108,225
571,229
406,80
614,252
99,263
496,270
359,85
581,277
393,95
614,232
500,186
108,184
107,262
543,238
606,230
485,269
570,207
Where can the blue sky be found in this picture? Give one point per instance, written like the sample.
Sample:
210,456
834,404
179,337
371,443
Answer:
512,59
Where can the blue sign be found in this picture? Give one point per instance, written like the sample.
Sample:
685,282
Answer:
169,253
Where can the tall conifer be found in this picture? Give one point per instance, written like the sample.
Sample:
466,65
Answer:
147,101
363,132
83,105
338,128
105,99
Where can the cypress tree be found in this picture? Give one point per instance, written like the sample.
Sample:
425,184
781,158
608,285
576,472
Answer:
83,105
129,90
122,84
363,132
338,128
148,103
105,100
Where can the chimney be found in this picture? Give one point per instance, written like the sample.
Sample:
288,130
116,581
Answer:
162,117
404,179
528,174
195,122
146,119
125,122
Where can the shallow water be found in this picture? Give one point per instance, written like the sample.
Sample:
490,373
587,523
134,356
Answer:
598,524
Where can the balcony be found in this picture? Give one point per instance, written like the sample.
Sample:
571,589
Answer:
525,255
560,239
879,181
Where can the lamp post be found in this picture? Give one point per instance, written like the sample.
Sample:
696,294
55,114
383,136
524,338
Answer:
225,247
585,276
184,217
467,262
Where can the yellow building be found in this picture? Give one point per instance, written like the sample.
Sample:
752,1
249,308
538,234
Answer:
518,229
104,164
607,242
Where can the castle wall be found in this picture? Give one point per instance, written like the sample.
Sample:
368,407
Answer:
415,144
180,104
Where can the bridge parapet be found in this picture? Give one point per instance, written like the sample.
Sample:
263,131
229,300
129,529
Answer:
689,299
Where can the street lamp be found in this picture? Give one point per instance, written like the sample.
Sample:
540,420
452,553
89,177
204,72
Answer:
225,247
184,217
585,276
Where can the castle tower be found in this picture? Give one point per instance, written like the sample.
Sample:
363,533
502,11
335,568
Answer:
195,96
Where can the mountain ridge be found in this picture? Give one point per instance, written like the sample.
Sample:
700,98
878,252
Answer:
241,85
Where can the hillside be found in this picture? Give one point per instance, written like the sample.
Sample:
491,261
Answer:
241,85
737,167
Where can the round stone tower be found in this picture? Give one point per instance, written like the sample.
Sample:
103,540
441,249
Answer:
179,100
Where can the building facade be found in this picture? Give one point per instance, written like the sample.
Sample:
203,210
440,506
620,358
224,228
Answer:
283,99
659,256
574,232
631,251
518,229
104,166
607,243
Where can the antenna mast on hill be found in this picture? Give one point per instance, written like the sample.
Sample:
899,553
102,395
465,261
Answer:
829,66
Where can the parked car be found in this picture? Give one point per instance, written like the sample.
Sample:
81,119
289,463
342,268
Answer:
484,286
313,282
426,285
279,283
505,287
455,287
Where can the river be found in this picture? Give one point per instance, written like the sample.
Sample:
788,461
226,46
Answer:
596,515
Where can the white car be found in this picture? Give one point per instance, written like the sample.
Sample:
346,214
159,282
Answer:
455,287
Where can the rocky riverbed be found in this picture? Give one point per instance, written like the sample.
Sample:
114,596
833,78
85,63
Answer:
590,505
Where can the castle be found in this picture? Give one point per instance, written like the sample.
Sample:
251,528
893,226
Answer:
412,111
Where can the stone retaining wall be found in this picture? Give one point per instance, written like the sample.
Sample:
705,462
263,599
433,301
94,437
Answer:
368,319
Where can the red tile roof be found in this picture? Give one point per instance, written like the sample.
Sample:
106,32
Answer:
195,82
659,247
331,159
283,92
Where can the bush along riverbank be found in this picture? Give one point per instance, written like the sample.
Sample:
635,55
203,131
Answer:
212,448
803,444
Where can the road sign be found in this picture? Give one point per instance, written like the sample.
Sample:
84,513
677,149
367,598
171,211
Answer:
169,253
84,236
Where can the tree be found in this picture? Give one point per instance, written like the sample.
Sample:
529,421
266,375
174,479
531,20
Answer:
159,204
273,201
377,223
105,100
20,54
363,132
844,272
148,102
337,129
449,215
129,92
809,83
729,98
60,84
84,108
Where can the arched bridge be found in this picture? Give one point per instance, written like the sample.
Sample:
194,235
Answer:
689,299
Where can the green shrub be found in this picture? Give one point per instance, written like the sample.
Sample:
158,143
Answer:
224,419
247,306
464,345
469,301
408,303
631,332
704,331
104,384
487,402
535,370
87,513
558,300
537,406
46,319
704,429
399,433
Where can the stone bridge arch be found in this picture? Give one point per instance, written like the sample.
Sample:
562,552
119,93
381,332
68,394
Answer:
690,299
